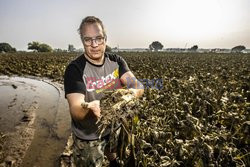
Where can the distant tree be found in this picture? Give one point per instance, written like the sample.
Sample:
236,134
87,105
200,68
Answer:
39,47
151,47
71,48
44,48
156,45
194,48
238,49
108,49
33,46
5,47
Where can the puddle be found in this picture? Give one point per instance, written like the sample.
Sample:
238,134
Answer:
35,117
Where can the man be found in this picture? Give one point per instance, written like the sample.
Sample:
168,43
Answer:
84,80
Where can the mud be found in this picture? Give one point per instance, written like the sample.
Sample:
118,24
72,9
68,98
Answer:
34,122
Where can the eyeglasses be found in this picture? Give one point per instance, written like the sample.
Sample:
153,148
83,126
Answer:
98,40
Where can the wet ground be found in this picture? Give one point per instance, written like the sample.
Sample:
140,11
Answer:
34,122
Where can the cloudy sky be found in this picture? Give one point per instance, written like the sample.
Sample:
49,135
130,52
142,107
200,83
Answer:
129,23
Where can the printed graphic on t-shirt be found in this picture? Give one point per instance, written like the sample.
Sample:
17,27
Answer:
111,81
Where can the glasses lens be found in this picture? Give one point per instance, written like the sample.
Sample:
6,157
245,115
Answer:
87,41
99,40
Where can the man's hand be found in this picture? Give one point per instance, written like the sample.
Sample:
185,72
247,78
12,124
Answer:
133,91
133,84
94,106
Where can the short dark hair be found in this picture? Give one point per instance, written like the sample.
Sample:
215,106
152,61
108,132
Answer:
91,20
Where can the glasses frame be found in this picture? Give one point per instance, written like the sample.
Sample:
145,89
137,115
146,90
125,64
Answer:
95,39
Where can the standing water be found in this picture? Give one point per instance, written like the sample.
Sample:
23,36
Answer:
35,121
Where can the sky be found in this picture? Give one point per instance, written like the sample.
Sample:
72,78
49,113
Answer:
129,23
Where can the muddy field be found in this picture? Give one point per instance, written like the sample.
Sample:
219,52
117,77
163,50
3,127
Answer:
195,110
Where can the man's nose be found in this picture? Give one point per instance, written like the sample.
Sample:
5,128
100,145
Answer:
94,43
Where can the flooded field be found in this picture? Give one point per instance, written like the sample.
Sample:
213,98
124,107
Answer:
35,122
199,116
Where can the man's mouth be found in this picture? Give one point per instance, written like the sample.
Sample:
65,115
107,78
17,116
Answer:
95,51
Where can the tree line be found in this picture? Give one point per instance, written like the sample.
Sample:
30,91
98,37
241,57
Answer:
42,47
156,46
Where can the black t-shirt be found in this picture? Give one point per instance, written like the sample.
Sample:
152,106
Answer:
82,76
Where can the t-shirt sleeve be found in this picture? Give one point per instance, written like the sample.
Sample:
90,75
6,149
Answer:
73,82
123,66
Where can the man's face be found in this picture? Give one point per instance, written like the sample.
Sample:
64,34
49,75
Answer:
93,41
